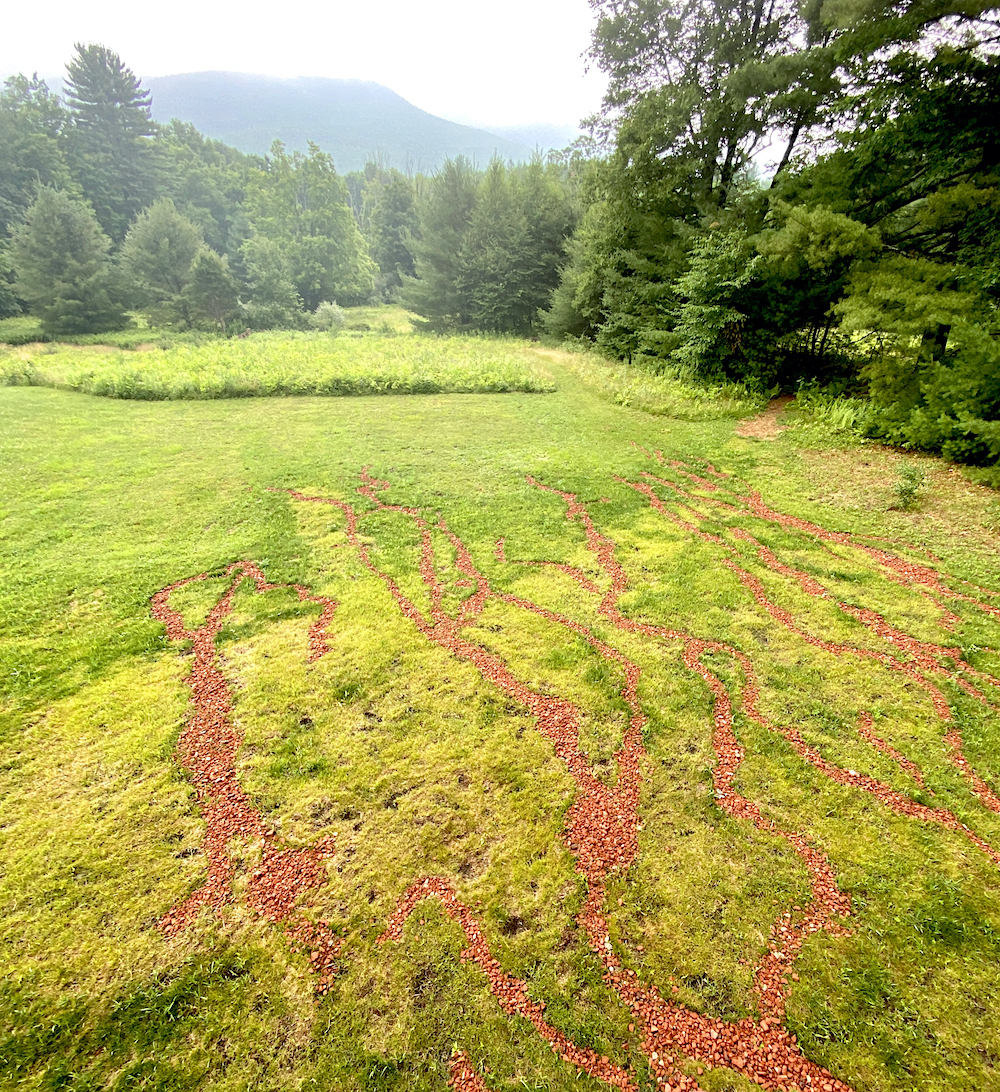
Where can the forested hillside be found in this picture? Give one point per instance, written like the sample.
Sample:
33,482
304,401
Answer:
353,120
103,211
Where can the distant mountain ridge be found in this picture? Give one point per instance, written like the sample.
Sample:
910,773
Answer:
352,120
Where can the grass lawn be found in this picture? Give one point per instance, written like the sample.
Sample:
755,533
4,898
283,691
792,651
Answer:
693,737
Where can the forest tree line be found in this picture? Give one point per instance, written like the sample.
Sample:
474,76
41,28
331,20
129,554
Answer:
776,192
103,211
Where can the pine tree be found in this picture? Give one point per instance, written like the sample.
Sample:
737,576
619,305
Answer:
157,255
108,142
212,293
444,218
392,224
63,268
9,304
494,262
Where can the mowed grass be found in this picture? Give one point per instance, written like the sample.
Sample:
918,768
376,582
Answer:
283,363
416,765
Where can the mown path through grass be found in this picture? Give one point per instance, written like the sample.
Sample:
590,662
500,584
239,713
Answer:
697,773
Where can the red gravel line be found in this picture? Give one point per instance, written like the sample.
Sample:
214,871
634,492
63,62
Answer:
462,1075
954,740
923,579
601,831
512,993
925,657
912,670
207,751
865,731
571,571
925,654
897,568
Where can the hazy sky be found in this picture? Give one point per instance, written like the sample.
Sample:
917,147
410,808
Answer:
485,63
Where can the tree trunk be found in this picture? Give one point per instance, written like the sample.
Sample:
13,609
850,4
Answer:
934,343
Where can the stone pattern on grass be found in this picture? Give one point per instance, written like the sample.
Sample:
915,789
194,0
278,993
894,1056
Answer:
602,823
207,751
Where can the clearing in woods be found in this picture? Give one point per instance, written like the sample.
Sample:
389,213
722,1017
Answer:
491,741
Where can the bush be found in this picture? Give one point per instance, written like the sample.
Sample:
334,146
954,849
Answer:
911,478
328,316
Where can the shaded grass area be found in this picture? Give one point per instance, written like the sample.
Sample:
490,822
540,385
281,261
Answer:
283,363
664,395
415,765
25,330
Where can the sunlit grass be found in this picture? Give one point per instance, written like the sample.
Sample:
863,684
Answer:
283,363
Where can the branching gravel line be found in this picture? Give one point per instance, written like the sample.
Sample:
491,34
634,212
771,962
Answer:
925,658
602,831
207,751
603,822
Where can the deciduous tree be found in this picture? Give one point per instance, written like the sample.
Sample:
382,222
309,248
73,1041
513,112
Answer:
212,292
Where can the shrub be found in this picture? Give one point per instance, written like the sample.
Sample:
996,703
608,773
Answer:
328,316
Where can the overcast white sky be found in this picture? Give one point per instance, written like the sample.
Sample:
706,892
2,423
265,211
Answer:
482,63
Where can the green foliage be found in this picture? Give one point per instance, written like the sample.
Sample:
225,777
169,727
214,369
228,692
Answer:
934,364
205,179
300,204
911,479
108,142
715,336
828,412
392,222
211,294
681,257
272,300
263,365
489,247
63,267
700,84
32,129
492,262
666,393
445,213
157,256
328,316
9,304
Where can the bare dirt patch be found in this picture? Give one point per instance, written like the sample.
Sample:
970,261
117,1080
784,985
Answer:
765,425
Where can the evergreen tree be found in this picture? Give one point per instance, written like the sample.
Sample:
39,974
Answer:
212,292
9,303
157,255
444,216
63,268
391,225
550,216
494,264
109,143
